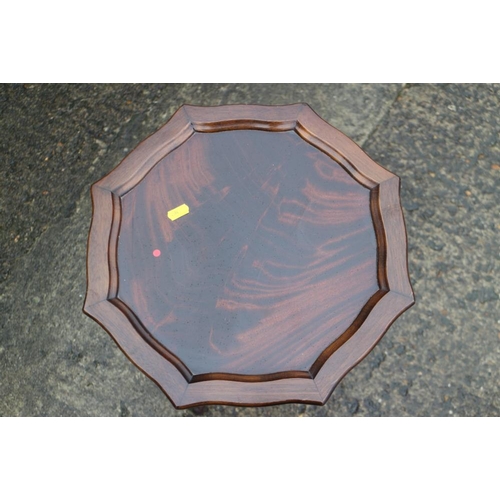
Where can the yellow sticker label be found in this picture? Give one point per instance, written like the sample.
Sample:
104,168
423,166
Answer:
177,212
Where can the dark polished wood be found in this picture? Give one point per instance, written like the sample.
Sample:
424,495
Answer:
288,268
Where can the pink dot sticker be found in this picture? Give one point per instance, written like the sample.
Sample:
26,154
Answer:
156,253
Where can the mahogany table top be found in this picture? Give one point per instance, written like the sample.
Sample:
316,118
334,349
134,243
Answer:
247,255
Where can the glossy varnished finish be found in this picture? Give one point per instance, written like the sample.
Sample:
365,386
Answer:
275,260
288,268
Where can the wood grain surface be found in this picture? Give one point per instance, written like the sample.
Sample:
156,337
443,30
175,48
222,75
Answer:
288,268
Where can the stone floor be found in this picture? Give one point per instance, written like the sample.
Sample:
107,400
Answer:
441,358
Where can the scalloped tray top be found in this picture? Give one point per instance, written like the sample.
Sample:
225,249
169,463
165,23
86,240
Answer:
247,255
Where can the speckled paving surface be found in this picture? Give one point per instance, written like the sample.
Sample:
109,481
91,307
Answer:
441,358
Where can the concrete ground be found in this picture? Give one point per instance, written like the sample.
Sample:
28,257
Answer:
441,358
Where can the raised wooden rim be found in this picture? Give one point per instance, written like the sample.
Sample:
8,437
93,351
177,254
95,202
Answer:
394,297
